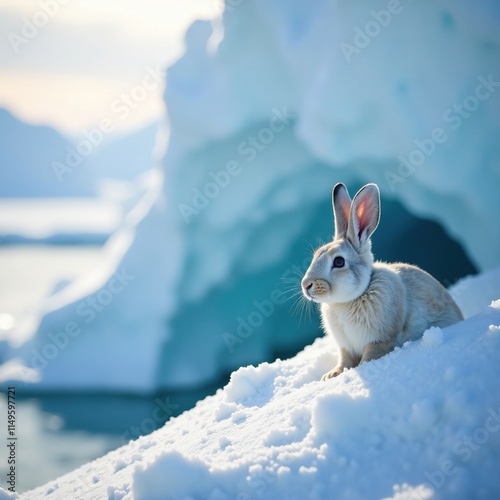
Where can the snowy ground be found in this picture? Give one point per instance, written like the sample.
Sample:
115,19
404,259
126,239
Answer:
422,422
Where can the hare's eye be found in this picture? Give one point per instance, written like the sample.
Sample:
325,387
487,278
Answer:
338,262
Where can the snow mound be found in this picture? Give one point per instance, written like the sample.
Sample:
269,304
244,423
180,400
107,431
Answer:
421,422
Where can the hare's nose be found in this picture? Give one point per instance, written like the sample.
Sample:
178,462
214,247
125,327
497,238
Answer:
307,284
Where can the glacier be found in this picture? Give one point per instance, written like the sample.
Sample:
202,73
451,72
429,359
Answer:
268,108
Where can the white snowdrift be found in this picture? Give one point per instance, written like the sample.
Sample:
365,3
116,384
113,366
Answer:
421,422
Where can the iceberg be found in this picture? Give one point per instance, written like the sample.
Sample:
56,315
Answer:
268,108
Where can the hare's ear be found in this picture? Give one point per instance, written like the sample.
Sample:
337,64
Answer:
341,202
365,214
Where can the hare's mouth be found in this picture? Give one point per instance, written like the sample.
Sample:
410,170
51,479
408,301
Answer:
314,289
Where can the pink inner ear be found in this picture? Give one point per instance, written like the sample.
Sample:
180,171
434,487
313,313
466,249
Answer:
363,212
360,211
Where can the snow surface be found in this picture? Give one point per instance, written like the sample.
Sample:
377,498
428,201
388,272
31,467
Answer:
270,99
421,422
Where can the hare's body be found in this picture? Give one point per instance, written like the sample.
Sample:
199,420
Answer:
400,303
370,307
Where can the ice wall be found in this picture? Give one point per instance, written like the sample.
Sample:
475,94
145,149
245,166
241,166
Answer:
369,94
267,111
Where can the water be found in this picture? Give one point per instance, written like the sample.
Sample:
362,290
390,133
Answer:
59,432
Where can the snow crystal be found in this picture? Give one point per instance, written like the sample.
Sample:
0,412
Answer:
251,383
224,410
407,492
170,475
493,331
120,464
433,337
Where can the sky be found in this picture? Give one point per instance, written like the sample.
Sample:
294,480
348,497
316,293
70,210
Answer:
70,63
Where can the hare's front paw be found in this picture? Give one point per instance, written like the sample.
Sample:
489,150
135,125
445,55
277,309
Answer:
333,373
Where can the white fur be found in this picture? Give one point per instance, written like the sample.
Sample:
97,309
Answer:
370,307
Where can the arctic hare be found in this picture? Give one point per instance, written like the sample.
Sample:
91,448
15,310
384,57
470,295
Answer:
370,307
